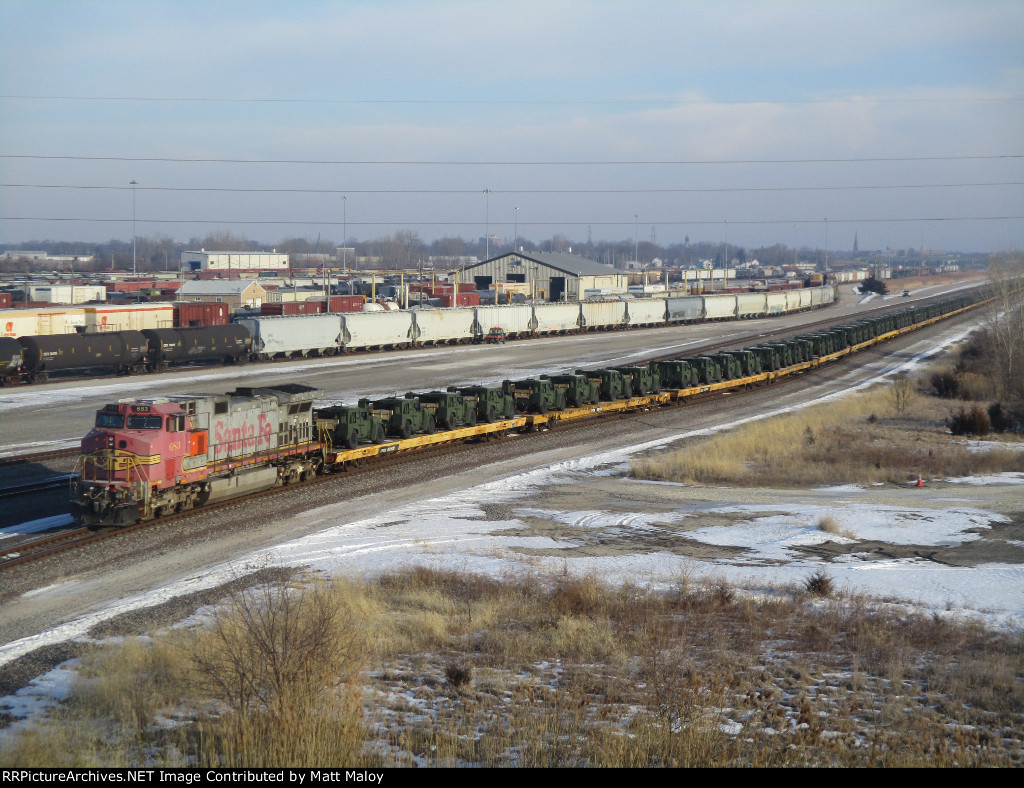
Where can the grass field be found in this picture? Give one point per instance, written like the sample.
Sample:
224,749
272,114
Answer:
444,669
863,439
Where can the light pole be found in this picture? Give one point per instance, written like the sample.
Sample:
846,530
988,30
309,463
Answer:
515,228
725,269
636,243
134,183
825,278
487,224
344,234
795,228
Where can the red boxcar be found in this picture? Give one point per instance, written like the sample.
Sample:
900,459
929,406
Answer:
291,307
344,303
471,298
5,300
194,314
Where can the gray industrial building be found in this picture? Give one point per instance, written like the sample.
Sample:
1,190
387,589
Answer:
551,276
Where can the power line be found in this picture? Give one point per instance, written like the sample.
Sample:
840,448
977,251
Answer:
514,102
426,162
470,222
238,190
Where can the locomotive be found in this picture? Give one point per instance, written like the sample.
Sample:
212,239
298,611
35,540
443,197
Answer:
149,457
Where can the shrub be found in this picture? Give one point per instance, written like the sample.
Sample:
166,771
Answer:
459,673
946,384
819,584
973,422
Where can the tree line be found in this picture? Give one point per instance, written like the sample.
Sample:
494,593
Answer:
406,249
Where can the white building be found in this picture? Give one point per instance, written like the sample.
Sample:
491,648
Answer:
233,261
67,294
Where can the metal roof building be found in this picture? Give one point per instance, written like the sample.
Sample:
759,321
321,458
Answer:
552,276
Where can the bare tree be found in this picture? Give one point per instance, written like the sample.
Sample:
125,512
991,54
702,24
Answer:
1006,273
902,393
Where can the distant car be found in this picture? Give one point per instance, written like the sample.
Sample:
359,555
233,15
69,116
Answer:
906,293
495,336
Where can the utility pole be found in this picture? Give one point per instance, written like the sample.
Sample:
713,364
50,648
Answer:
344,233
636,244
134,183
487,225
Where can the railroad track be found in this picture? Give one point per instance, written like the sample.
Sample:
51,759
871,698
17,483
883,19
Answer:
527,428
42,485
706,347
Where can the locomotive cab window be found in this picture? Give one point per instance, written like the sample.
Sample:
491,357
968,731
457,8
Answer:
144,422
110,420
176,423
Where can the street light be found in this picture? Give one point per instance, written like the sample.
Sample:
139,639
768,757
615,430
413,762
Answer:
134,183
636,243
344,234
487,225
515,228
825,279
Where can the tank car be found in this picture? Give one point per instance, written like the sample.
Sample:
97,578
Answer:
122,351
229,343
10,360
145,458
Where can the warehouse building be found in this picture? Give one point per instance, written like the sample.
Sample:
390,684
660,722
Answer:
228,262
551,276
236,293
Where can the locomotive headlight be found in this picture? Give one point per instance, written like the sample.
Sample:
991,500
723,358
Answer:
110,441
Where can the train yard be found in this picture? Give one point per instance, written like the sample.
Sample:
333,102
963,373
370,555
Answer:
372,456
114,574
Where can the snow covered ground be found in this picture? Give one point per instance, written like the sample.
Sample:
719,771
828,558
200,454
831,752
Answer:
586,516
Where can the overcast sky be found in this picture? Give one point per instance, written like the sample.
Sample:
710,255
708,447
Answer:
747,122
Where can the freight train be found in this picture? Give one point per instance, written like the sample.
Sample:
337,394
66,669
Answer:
30,359
150,457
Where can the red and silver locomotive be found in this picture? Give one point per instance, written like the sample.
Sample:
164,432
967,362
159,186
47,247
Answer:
150,457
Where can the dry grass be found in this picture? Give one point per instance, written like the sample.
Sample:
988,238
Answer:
862,441
447,669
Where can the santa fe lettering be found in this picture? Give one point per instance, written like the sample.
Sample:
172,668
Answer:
350,776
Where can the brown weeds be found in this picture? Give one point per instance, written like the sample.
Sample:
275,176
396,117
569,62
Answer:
546,671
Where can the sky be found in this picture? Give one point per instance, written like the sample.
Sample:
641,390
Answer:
801,123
